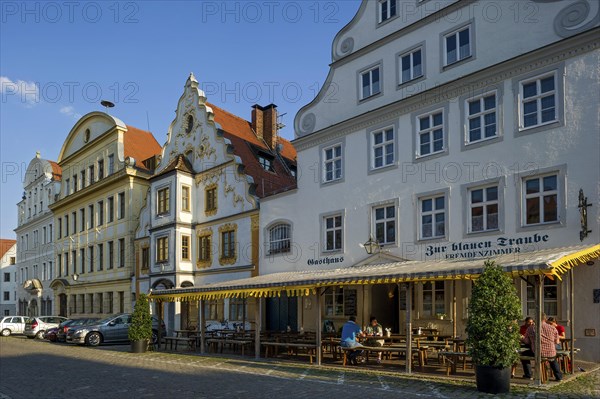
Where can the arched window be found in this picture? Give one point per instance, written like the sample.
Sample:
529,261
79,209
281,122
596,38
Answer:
280,238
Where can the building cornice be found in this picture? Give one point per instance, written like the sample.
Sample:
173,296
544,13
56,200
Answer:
487,77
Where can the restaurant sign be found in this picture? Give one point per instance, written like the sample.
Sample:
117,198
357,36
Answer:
325,261
484,249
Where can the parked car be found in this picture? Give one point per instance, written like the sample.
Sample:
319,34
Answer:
112,329
36,327
50,334
63,328
12,325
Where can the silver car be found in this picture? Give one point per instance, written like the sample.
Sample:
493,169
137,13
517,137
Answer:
114,328
35,327
12,325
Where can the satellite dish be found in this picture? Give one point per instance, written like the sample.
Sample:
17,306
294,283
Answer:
107,104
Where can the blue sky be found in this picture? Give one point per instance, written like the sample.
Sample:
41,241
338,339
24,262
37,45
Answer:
58,59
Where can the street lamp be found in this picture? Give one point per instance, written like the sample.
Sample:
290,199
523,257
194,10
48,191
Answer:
371,246
75,277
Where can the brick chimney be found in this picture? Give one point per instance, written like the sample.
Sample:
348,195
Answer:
264,123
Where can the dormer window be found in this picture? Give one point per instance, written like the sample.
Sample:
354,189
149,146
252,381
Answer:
387,10
266,162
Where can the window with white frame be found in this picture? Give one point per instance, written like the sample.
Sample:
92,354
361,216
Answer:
481,118
185,198
550,296
370,83
162,201
457,45
431,133
333,232
280,238
340,302
204,248
383,148
236,309
433,298
387,10
540,199
433,217
384,224
538,99
332,163
483,209
228,244
411,65
185,247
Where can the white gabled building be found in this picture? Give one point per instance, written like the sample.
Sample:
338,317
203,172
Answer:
35,238
8,276
200,222
448,131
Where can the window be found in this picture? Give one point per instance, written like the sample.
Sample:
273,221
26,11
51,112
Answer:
387,10
383,148
541,199
100,257
6,277
111,209
50,233
67,190
236,309
228,244
163,201
66,225
121,302
100,213
333,232
44,235
82,219
82,174
109,302
481,116
74,260
369,83
101,304
431,133
50,274
211,199
185,198
58,264
145,258
92,177
162,249
433,298
75,183
91,215
100,169
550,296
111,255
483,209
91,254
74,219
265,162
91,302
121,252
204,248
332,163
280,238
411,65
433,217
59,228
538,101
213,309
457,45
121,199
384,223
340,302
111,164
6,295
82,257
185,247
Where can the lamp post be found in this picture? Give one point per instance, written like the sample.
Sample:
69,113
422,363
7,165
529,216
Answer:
371,246
75,277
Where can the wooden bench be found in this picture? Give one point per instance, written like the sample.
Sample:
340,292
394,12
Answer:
418,352
544,369
176,340
452,358
292,348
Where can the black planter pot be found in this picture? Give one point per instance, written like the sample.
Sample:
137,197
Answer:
139,346
492,379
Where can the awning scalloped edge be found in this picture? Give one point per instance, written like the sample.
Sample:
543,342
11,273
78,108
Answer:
564,264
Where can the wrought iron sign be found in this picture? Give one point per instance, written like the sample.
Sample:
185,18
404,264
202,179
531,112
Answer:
583,205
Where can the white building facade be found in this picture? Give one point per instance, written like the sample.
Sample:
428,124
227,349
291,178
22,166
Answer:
8,276
35,238
448,130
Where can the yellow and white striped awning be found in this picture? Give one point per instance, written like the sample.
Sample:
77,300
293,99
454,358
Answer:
550,262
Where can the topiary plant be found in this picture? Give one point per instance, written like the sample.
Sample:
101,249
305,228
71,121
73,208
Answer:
141,320
494,313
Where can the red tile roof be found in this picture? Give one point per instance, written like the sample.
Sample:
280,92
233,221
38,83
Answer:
56,170
5,245
140,145
246,143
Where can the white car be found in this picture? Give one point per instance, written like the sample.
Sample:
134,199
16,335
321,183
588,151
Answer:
12,325
37,326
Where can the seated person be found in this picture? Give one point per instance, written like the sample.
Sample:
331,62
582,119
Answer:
350,333
549,338
374,329
560,329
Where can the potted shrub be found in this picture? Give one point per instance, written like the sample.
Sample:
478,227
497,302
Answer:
140,330
493,330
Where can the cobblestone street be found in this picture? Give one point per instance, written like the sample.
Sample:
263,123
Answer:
110,371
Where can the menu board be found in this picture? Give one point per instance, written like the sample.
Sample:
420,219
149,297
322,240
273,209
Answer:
349,302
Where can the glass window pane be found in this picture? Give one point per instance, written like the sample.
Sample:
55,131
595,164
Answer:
438,119
550,208
426,205
547,84
476,196
389,134
439,203
378,137
390,211
529,89
489,102
391,231
491,193
379,213
474,107
532,186
424,123
338,151
533,210
451,49
550,183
